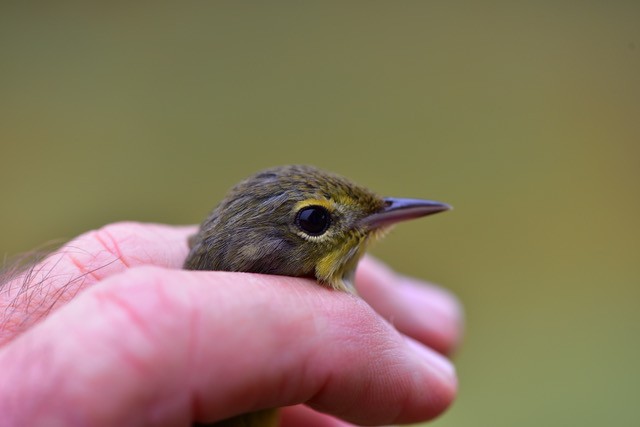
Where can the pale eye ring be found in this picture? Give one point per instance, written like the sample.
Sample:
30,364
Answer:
313,220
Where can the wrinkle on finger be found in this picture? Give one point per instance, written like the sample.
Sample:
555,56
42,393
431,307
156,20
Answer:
302,415
33,293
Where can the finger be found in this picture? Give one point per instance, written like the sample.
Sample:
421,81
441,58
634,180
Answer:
162,347
84,261
302,415
422,311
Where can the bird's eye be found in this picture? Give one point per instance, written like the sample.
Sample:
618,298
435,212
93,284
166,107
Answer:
313,220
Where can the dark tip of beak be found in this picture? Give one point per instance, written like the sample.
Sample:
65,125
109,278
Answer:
396,210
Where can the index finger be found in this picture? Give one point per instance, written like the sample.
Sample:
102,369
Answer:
153,346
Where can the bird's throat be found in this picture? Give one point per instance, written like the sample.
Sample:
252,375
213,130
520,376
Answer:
337,268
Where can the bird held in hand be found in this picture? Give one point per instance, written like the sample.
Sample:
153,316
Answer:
297,221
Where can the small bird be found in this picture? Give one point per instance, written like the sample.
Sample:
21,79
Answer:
297,221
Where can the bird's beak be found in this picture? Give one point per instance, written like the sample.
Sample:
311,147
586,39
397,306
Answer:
396,210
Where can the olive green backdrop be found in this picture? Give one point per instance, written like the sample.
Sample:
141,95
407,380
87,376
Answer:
524,116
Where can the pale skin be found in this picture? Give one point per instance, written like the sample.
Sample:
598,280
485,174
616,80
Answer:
136,341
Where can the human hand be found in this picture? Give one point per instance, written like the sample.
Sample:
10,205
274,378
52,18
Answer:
109,331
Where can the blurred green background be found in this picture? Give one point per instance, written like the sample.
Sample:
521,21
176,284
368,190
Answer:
524,116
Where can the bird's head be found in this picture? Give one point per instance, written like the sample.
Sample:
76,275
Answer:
298,221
